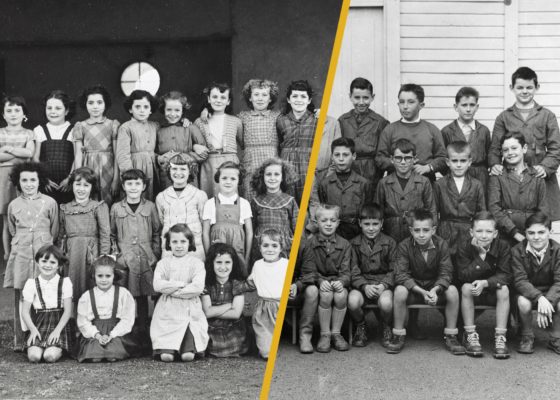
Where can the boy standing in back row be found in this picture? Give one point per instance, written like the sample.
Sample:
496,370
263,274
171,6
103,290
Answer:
426,137
363,126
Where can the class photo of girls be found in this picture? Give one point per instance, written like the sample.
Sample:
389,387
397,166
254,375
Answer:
428,267
152,162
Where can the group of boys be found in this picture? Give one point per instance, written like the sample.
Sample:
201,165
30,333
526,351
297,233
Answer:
374,238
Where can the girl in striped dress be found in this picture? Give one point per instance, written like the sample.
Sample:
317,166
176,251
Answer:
136,140
221,131
272,207
50,295
95,141
16,145
260,140
296,130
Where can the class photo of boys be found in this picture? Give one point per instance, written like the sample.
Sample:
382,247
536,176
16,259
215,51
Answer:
429,266
152,161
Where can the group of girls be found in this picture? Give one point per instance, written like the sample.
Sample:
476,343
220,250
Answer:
90,190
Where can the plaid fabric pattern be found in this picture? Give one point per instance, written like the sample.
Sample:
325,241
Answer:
296,138
278,211
260,142
97,139
227,337
58,155
46,320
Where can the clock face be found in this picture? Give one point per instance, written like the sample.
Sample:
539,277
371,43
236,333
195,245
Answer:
140,75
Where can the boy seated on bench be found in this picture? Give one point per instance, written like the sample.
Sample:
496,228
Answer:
536,274
484,271
423,274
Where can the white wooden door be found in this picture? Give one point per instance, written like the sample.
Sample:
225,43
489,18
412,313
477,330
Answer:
362,55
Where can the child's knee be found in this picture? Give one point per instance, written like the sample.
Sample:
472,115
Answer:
451,294
502,293
355,300
524,305
325,299
401,294
385,301
466,290
340,299
311,293
52,354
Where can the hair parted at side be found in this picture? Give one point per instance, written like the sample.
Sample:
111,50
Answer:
183,229
14,101
69,104
526,74
228,165
513,135
88,175
288,175
139,95
361,83
222,88
49,250
216,250
538,218
466,91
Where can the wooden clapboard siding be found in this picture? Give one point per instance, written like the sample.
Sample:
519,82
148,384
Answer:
449,44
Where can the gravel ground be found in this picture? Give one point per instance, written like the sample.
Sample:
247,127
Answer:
423,370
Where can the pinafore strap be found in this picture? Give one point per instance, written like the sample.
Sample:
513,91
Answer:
58,293
93,305
115,302
64,136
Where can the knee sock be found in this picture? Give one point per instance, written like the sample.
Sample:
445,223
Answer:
500,331
325,320
470,328
337,319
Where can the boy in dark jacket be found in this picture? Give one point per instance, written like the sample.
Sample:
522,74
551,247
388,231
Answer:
484,271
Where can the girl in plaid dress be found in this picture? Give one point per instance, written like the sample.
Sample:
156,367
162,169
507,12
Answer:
272,207
54,144
174,138
223,302
84,230
50,295
16,145
296,130
95,141
260,140
136,140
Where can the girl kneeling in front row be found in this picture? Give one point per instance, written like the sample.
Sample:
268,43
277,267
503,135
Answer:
105,317
51,298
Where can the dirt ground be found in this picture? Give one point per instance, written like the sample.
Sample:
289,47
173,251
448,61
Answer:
423,370
138,378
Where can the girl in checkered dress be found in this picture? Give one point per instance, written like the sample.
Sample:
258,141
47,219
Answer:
223,302
136,140
272,207
260,140
95,141
296,130
54,144
50,295
84,229
16,145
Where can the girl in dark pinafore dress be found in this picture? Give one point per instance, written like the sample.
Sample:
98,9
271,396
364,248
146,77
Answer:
227,218
105,317
54,144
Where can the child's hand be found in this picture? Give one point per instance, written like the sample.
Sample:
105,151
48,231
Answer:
34,335
545,310
53,338
50,186
63,186
293,291
337,286
421,169
326,286
317,112
204,115
497,170
478,286
186,123
371,292
541,173
433,297
106,339
200,150
519,237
